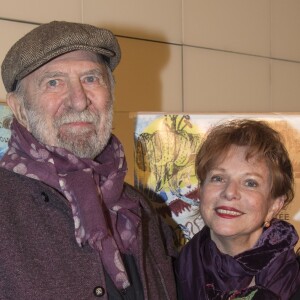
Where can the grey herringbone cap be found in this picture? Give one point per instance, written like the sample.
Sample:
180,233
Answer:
50,40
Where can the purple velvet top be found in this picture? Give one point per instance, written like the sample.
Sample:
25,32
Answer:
206,273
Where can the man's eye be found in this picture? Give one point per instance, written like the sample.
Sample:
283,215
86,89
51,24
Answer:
53,82
90,79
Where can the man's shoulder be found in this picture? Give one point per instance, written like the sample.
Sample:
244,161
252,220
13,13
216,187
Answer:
11,182
7,176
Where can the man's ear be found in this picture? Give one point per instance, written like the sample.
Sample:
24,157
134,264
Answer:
17,109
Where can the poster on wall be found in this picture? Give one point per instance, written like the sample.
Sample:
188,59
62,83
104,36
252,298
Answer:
5,112
165,150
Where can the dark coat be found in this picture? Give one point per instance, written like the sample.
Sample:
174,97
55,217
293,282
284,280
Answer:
296,296
39,256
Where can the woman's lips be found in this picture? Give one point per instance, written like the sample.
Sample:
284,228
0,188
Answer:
228,212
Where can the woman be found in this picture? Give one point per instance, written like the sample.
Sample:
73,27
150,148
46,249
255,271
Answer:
243,252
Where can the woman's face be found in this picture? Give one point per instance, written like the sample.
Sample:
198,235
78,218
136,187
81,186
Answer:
235,200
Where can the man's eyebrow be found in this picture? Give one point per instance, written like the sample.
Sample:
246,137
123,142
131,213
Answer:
96,71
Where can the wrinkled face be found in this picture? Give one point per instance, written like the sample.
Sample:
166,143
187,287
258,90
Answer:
68,103
235,199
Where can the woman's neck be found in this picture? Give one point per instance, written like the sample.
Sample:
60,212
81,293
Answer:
234,245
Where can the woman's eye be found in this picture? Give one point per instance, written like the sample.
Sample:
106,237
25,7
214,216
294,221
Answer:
251,183
216,178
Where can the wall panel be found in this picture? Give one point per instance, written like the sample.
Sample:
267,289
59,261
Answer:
234,25
149,77
285,27
155,20
216,81
42,11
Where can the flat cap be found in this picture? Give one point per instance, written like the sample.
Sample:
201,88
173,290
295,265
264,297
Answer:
50,40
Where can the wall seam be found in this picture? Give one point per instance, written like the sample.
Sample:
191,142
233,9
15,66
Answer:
182,58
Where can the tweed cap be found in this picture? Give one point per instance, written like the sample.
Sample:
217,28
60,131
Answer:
50,40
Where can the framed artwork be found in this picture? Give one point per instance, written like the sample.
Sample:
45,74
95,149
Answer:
165,149
5,112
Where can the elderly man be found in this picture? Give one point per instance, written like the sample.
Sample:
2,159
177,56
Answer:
70,227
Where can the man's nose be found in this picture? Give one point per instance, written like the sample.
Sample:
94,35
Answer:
77,99
231,190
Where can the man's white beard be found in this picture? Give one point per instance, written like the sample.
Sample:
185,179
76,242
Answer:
84,143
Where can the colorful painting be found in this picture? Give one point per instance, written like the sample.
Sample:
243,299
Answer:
4,131
165,149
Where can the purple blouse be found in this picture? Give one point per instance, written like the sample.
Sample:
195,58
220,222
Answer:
206,273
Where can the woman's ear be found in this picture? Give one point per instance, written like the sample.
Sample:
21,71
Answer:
199,190
276,207
17,108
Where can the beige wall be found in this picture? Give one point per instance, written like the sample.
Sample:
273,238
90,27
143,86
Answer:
184,55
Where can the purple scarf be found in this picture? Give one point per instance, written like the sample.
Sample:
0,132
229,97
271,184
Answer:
206,273
103,215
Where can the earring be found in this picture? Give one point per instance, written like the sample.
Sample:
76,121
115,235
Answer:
267,224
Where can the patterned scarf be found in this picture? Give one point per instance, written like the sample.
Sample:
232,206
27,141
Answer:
103,215
206,273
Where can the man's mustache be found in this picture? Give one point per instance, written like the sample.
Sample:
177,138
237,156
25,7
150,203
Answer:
70,117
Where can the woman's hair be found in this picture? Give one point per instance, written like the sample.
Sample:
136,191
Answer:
261,141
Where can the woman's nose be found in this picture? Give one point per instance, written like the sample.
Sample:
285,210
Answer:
231,190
